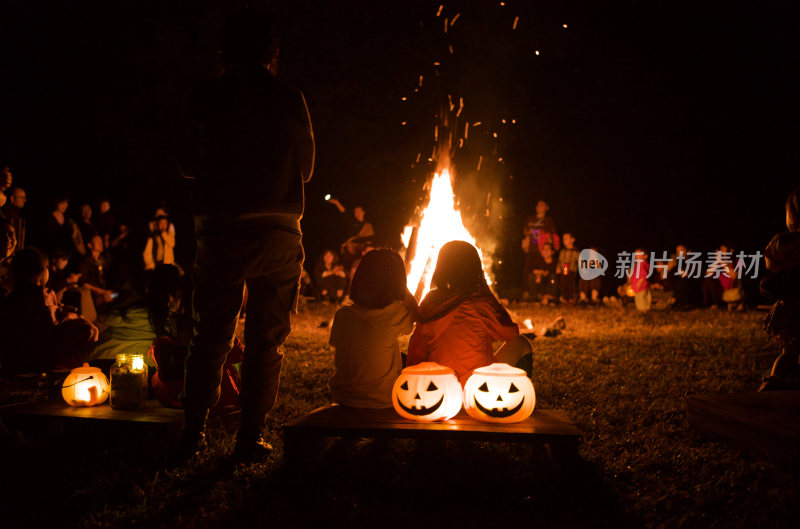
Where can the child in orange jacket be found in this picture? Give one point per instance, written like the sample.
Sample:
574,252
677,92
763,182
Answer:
460,319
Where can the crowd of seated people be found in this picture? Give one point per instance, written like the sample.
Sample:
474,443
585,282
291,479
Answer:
550,274
60,285
64,280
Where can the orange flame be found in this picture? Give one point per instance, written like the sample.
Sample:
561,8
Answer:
439,223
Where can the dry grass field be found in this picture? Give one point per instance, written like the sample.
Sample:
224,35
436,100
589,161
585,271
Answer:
623,377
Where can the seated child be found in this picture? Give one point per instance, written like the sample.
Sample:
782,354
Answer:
460,318
568,269
330,277
782,284
365,333
544,278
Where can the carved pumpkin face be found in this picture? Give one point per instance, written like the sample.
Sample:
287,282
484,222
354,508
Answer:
427,392
499,393
85,386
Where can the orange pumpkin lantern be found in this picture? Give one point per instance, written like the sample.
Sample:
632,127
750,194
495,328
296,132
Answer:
85,386
427,392
499,393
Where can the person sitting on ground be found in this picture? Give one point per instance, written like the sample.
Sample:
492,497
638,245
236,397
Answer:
782,283
589,289
364,334
712,282
60,231
568,270
39,334
539,229
13,212
85,225
732,291
93,269
9,242
544,279
640,270
6,180
160,245
679,281
460,318
330,277
104,221
62,277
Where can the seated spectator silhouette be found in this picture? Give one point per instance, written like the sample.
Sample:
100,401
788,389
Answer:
9,242
104,221
85,225
543,280
782,284
5,182
685,289
60,231
718,277
539,230
93,269
330,277
13,212
39,334
568,270
589,289
63,277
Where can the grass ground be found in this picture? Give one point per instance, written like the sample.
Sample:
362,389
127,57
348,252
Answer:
621,376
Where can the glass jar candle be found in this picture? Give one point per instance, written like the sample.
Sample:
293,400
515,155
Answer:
128,382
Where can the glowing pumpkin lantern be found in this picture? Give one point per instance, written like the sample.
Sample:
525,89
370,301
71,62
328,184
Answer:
427,392
499,393
85,386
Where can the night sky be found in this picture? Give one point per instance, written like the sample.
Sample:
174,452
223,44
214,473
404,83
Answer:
641,122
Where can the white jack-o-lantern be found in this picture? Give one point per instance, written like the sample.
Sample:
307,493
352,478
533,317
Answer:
85,386
427,392
499,393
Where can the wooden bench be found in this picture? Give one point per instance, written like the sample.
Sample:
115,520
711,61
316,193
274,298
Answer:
550,427
55,416
768,421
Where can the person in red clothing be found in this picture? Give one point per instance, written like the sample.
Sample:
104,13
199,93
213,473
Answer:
461,318
640,271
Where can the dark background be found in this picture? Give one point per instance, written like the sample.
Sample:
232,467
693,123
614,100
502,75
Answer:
641,123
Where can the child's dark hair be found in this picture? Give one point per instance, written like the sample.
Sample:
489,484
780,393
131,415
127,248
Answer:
27,264
379,279
459,268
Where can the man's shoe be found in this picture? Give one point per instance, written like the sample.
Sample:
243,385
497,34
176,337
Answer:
191,445
251,450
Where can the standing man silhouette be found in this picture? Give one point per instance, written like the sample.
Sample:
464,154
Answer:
249,151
